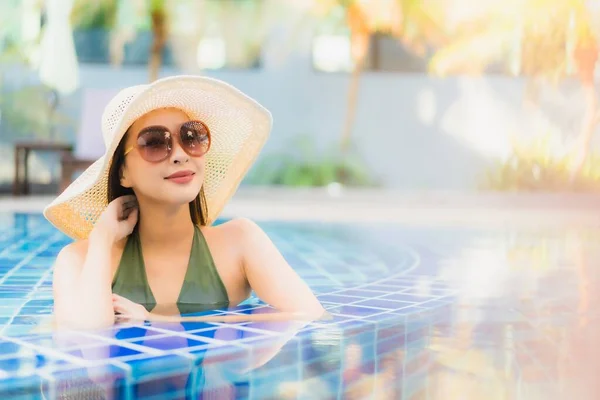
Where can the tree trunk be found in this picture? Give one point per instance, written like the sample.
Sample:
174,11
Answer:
586,62
590,122
351,105
159,38
360,37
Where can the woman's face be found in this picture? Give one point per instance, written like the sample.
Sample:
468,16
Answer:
153,180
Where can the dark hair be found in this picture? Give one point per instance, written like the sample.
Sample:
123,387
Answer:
198,209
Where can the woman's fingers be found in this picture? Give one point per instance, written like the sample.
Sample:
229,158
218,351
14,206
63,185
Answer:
121,299
119,303
121,307
128,198
122,303
132,216
123,319
127,309
129,206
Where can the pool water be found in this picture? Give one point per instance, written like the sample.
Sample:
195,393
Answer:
416,313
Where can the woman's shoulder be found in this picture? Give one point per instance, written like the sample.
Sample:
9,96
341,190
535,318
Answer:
235,235
236,228
74,250
70,259
74,253
241,236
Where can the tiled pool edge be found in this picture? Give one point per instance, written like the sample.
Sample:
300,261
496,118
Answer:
433,208
354,314
388,331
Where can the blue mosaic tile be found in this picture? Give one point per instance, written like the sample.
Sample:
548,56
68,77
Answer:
27,320
60,340
36,311
20,387
6,294
127,333
40,302
259,309
162,365
177,387
407,297
243,306
355,310
89,382
21,281
171,343
383,285
30,363
273,326
44,262
221,355
7,348
336,298
13,329
432,292
384,288
103,352
194,326
384,304
227,334
392,316
362,293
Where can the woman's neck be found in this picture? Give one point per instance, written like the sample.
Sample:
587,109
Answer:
159,225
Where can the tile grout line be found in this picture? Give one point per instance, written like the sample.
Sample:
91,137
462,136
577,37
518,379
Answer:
42,247
29,257
412,267
46,351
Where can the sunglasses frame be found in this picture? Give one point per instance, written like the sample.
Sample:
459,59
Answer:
170,149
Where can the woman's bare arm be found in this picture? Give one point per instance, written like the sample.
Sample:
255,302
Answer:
82,284
83,273
271,277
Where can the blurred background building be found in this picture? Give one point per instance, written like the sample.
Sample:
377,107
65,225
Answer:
415,95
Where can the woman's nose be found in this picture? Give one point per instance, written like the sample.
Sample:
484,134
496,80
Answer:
178,155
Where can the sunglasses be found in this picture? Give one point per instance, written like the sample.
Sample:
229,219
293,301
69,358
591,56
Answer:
155,143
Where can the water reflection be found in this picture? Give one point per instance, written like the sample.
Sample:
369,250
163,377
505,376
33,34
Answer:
519,323
521,326
182,356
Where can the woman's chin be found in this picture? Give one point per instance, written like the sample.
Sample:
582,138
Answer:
181,198
185,197
175,194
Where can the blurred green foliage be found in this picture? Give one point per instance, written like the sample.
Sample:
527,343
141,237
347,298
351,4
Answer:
25,108
533,166
27,114
302,164
94,14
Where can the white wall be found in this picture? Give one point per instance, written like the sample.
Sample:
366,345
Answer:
414,131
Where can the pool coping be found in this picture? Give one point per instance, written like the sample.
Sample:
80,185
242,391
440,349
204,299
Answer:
391,206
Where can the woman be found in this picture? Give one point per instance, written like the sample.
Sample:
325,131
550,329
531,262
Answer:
176,150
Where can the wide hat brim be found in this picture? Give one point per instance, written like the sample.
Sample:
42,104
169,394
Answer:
239,129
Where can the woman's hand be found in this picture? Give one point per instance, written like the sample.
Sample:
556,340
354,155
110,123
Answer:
128,309
118,219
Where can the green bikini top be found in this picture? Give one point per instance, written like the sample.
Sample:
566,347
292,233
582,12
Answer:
202,287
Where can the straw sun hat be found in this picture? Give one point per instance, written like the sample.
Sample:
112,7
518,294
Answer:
239,128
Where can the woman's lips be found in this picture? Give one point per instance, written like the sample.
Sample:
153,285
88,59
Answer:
181,177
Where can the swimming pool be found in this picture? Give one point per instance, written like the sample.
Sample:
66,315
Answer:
416,313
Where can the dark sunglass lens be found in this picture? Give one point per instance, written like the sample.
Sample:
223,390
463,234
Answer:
154,145
195,138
